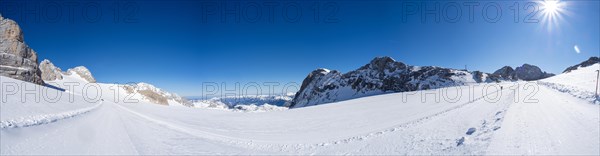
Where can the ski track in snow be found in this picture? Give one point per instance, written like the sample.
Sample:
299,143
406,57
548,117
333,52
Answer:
227,140
484,133
486,127
476,144
406,125
491,133
44,118
555,125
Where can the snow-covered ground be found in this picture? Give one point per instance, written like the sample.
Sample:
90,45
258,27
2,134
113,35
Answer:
521,118
579,83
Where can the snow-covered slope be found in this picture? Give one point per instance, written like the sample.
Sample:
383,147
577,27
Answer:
583,78
83,80
381,75
506,118
579,82
26,104
474,119
589,62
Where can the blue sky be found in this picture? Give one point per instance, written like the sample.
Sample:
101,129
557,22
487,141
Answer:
170,45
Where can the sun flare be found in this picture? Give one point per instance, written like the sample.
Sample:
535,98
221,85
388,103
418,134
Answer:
551,12
551,6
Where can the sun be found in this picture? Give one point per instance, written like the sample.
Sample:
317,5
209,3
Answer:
551,7
551,12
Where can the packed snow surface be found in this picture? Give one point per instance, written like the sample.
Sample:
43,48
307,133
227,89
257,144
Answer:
511,118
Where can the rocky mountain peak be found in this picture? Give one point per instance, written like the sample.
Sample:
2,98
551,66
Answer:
155,95
83,72
381,75
321,71
525,72
528,66
49,71
589,62
11,30
507,68
505,72
17,60
384,63
529,72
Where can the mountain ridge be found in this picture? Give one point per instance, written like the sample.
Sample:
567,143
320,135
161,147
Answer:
381,75
591,61
525,72
386,75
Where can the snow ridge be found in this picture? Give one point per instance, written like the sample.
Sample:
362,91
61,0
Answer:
44,118
574,91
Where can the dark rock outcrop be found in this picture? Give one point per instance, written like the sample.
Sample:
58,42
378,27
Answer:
525,72
17,60
506,72
529,72
589,62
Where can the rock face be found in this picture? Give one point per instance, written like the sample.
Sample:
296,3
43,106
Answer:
50,72
506,72
525,72
381,75
529,72
589,62
53,73
83,72
17,60
155,95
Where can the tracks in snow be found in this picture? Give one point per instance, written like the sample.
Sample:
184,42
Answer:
256,144
407,125
44,118
486,126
